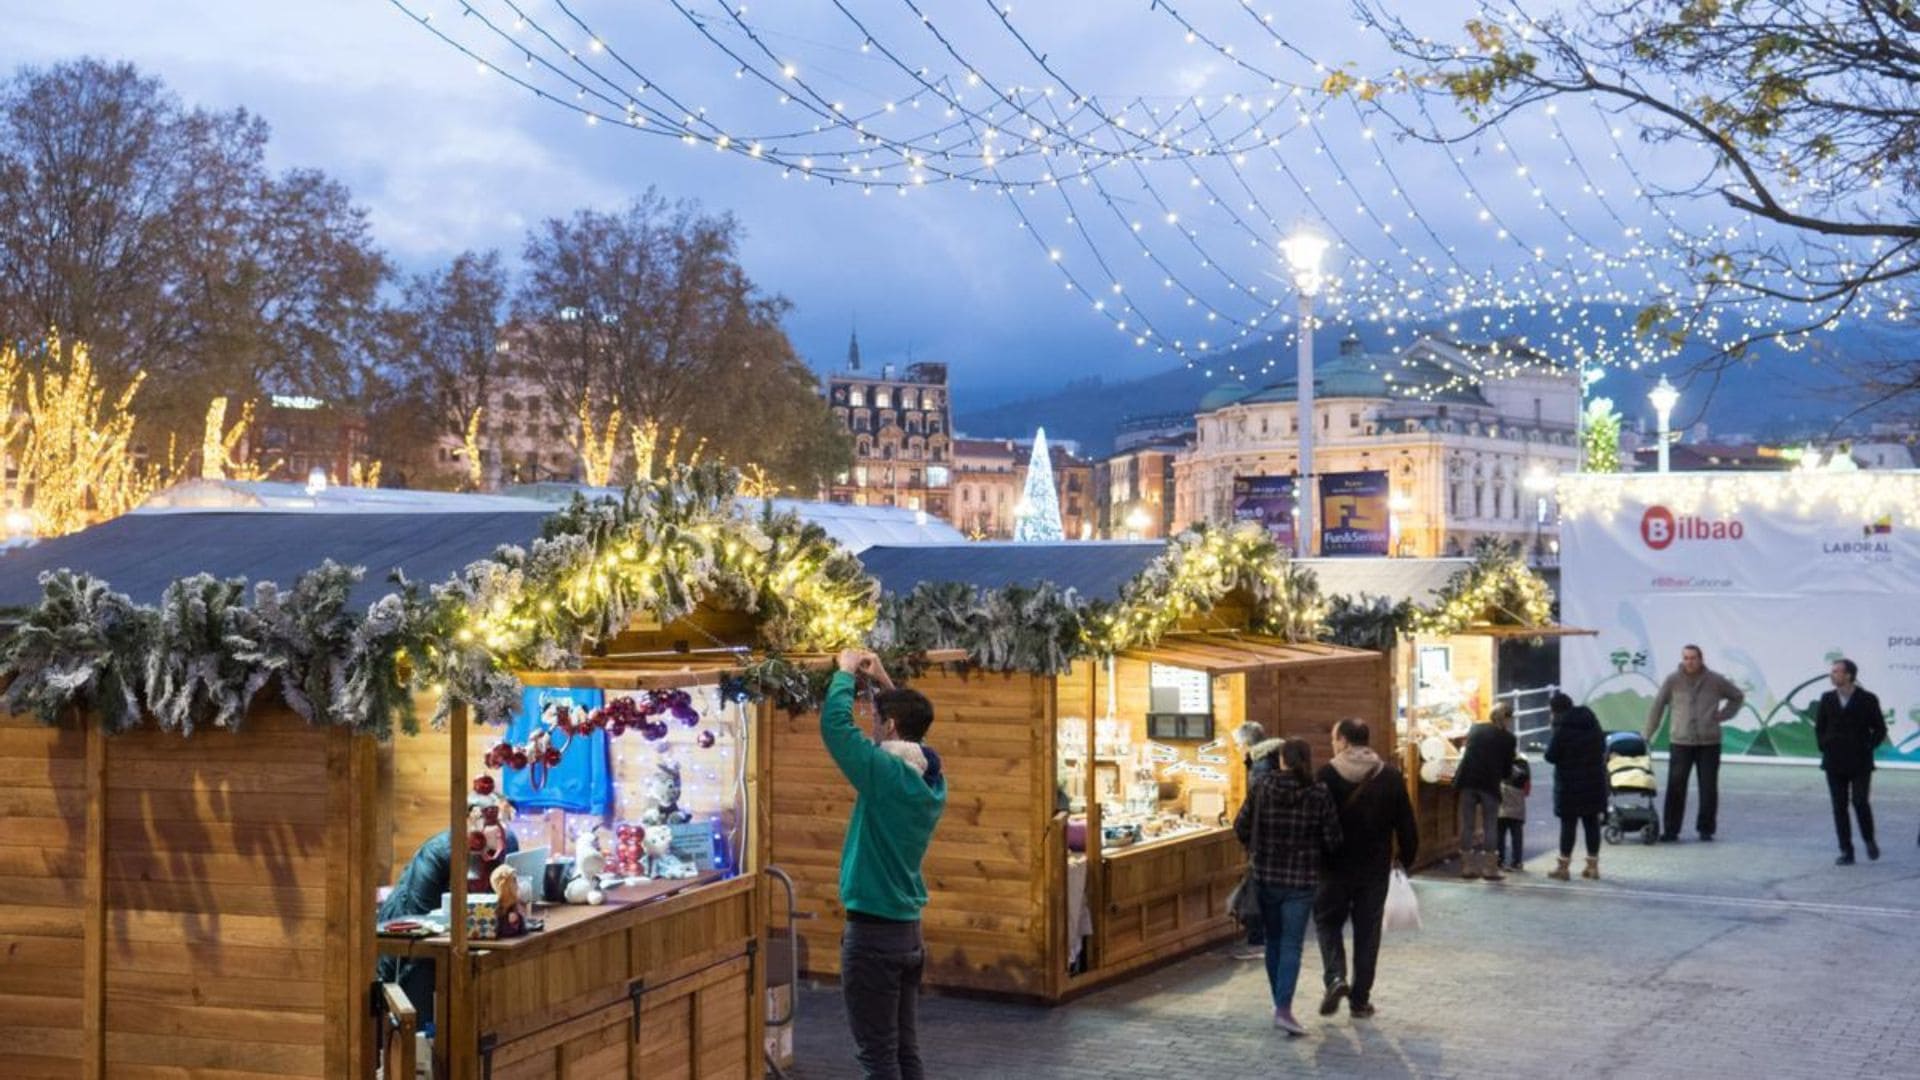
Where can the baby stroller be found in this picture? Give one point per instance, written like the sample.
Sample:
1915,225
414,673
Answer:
1631,788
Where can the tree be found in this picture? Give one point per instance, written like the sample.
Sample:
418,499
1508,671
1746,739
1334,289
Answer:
1600,437
1039,512
1807,114
156,233
72,444
649,310
444,338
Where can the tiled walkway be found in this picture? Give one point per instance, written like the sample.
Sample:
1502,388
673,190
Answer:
1750,957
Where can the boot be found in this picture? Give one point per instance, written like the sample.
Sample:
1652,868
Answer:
1490,867
1559,872
1592,872
1469,865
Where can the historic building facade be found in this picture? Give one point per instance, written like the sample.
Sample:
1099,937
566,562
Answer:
902,430
1466,432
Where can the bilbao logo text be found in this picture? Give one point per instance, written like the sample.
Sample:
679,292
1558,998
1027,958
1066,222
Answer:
1660,527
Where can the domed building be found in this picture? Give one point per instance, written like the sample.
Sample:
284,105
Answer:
1457,427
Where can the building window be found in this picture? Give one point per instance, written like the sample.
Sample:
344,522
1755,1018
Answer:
906,400
862,422
937,476
1353,420
1537,412
857,398
882,399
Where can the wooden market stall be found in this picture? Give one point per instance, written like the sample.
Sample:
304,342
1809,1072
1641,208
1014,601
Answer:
1025,898
205,906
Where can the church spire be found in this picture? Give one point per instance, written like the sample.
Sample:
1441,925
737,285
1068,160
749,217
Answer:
853,351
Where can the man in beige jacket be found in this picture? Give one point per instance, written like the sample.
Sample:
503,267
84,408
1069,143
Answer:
1701,701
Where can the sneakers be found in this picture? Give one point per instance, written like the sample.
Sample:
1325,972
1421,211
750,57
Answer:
1706,838
1283,1019
1330,1003
1360,1011
1845,859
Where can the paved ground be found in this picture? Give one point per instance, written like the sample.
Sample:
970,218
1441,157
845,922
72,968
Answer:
1753,955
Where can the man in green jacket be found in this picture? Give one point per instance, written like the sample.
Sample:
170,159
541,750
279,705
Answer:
1701,700
900,795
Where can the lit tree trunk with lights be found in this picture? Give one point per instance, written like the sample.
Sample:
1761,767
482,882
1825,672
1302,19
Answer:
73,445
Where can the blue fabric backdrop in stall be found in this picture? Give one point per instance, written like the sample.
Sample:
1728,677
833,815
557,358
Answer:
583,781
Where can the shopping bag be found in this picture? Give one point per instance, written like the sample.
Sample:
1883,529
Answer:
1403,908
1243,903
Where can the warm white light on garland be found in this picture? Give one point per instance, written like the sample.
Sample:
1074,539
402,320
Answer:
1864,494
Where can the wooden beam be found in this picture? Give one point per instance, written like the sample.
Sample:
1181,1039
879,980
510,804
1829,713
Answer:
459,1035
93,1051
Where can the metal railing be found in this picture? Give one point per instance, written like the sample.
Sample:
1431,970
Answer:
1531,714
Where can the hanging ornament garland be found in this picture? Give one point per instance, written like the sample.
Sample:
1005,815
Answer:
648,714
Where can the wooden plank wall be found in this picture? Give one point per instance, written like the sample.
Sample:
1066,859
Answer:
986,920
1312,697
563,1009
43,833
222,922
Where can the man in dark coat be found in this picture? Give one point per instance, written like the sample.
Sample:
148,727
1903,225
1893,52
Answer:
1376,822
1848,726
1488,758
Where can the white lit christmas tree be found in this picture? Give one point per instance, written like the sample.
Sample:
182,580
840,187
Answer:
1038,517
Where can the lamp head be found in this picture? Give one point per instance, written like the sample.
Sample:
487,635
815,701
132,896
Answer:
1304,251
1664,396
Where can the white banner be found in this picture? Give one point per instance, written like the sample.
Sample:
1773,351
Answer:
1773,575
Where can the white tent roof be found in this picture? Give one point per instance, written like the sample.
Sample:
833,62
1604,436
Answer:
855,527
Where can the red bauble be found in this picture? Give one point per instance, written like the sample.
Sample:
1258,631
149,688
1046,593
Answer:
552,756
476,842
519,759
483,785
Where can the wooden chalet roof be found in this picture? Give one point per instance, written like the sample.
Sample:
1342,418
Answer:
1219,653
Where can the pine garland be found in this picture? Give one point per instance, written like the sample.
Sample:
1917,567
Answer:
208,650
1044,629
1497,589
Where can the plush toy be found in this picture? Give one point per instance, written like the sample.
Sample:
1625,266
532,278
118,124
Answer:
663,796
661,861
510,920
588,865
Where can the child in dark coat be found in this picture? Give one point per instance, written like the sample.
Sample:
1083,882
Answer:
1513,812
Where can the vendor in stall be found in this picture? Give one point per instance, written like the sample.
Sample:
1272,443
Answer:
418,891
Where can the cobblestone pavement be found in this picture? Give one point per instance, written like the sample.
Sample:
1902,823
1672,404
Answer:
1752,956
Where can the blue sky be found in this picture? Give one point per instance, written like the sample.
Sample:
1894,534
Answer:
446,158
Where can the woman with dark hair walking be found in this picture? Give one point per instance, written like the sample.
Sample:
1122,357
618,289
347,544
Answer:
1288,824
1578,752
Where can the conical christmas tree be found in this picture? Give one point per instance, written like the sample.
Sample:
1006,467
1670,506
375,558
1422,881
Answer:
1039,511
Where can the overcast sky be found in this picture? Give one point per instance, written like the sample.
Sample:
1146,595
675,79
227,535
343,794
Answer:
446,158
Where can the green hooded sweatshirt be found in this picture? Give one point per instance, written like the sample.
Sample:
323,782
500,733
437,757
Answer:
901,796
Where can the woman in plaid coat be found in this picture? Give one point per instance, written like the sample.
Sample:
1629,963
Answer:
1288,824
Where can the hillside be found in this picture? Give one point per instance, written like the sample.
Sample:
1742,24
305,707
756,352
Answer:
1088,409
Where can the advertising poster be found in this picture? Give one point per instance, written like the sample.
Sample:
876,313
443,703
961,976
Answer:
1773,576
1353,513
1267,501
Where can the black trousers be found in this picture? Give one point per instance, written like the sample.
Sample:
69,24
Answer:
1851,789
1508,848
1590,823
880,968
1682,761
1362,901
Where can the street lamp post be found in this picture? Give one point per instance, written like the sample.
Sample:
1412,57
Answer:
1137,522
1304,250
1664,397
1539,482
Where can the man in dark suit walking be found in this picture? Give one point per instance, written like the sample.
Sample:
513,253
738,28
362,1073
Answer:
1848,726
